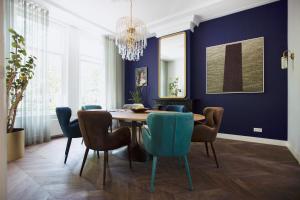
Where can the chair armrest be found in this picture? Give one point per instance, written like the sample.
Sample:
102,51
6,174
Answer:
204,133
145,129
75,121
74,129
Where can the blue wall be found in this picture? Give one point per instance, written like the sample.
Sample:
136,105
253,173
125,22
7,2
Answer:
150,60
242,111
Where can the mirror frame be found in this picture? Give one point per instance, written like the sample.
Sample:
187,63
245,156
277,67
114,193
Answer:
159,66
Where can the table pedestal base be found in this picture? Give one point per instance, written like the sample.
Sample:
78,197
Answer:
138,154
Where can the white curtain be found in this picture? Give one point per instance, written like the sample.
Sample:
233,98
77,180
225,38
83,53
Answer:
30,20
114,76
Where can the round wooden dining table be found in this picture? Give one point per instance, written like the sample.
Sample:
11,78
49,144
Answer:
136,119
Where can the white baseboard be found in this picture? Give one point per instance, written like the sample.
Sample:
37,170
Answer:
252,139
294,152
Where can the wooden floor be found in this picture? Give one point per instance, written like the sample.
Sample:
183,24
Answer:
247,171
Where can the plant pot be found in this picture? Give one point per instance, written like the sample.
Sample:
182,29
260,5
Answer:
15,144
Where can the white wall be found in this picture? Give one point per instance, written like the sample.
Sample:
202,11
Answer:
3,159
294,78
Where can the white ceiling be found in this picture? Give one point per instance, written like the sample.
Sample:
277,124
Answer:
161,16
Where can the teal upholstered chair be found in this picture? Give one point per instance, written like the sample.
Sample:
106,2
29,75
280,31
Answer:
168,134
175,108
69,128
91,107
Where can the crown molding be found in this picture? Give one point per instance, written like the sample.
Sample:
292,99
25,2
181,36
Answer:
189,19
180,21
68,17
171,26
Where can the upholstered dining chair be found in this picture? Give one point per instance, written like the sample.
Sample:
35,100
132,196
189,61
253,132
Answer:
176,108
208,130
91,107
94,127
69,128
168,134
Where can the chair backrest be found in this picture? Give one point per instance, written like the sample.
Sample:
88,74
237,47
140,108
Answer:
176,108
94,127
64,115
170,133
90,107
213,117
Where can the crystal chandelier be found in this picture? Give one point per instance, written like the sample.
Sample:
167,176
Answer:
131,37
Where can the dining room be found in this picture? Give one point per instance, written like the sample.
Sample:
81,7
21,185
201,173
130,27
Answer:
137,99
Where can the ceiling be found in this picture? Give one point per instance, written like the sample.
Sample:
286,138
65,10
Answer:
161,16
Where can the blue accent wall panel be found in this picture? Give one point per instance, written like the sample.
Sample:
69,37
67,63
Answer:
150,60
243,111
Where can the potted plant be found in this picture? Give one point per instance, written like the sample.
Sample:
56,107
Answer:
136,97
19,70
173,87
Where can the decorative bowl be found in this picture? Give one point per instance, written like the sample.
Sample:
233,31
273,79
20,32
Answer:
139,110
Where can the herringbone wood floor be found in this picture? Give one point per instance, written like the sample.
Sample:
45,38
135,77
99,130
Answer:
247,171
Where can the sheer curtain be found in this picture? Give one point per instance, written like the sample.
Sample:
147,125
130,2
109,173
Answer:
114,76
30,20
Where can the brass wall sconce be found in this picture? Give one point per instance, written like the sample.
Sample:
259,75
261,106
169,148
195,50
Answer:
287,55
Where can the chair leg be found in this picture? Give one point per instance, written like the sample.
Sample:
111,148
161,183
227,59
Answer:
98,154
107,158
179,162
84,159
188,173
67,149
206,147
154,163
104,166
214,152
140,134
129,156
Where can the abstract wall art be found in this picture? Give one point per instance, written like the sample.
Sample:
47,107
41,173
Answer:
235,67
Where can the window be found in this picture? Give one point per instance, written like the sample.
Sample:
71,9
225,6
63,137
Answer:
56,66
89,70
92,71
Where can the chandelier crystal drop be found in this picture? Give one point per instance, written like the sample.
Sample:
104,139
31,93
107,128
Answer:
131,37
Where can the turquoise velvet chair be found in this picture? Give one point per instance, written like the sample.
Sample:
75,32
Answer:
176,108
91,107
69,128
168,134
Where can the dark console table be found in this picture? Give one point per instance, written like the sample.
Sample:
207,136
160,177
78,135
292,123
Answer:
166,101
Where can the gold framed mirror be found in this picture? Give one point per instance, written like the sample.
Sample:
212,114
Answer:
172,66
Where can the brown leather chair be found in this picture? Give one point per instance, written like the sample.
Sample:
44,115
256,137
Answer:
207,131
94,127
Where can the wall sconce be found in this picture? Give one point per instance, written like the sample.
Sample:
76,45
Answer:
286,56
